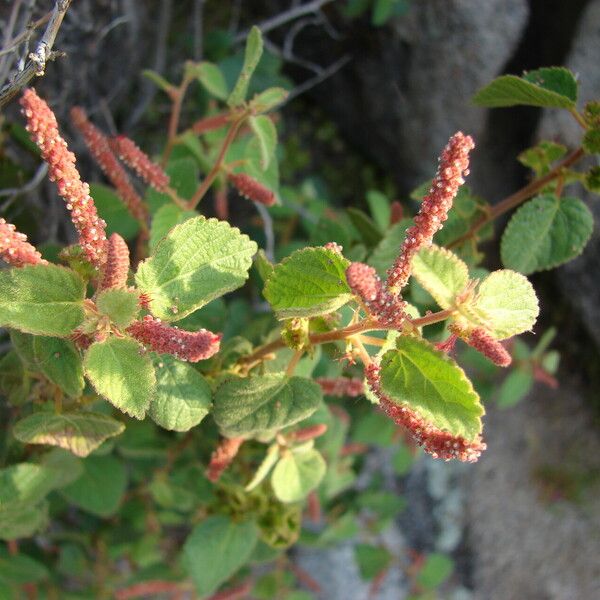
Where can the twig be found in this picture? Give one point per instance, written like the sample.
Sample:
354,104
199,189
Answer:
13,193
326,73
178,95
268,230
24,35
198,29
8,33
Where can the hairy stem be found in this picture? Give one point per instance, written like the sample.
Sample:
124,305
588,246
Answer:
178,97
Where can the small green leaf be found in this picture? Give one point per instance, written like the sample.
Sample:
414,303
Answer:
369,232
15,384
441,273
78,432
245,406
310,282
254,50
546,232
212,79
403,460
266,135
297,473
113,211
592,180
268,100
121,372
41,299
24,485
591,141
371,560
121,306
183,175
380,208
384,10
386,251
23,522
435,570
60,361
540,157
165,218
20,569
265,467
515,387
553,87
433,385
100,489
216,549
197,262
263,265
158,80
182,396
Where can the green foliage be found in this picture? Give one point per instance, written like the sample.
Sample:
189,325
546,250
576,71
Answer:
252,55
165,218
298,472
60,362
540,157
515,387
435,570
591,141
371,560
211,78
113,211
266,134
120,306
268,100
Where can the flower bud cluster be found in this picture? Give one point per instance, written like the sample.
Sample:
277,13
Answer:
191,346
341,386
438,443
252,189
334,246
43,128
116,268
15,249
491,348
222,457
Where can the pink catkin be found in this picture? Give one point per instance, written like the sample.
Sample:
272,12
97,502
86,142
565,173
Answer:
116,268
152,173
15,249
191,346
438,443
222,457
99,148
43,128
382,306
252,189
453,166
491,348
335,247
341,386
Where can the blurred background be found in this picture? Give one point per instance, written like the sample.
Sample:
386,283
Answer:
377,87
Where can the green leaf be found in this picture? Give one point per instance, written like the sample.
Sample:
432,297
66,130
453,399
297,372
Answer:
266,135
386,251
384,10
369,232
263,265
546,232
379,205
41,299
254,50
23,522
23,345
541,156
24,485
506,304
64,465
268,100
20,569
158,80
403,460
310,282
60,361
553,87
433,385
182,396
113,211
592,180
591,141
385,504
78,432
271,457
100,489
197,262
217,548
435,570
441,273
15,383
165,218
121,306
212,79
371,560
515,387
297,473
244,406
183,175
122,373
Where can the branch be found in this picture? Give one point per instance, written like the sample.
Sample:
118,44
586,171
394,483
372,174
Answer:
24,35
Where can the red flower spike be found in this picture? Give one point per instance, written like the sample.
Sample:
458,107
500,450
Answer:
438,443
252,189
447,345
210,123
222,457
453,165
491,348
140,162
15,249
99,148
335,247
116,268
43,128
191,346
381,305
341,386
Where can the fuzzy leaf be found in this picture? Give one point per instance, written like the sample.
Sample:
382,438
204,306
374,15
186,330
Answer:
24,485
541,156
23,522
266,135
591,141
41,299
433,385
60,362
245,406
212,79
78,432
182,396
165,218
387,250
271,457
121,306
546,232
253,53
380,208
122,373
158,80
197,262
441,273
310,282
268,100
113,211
297,473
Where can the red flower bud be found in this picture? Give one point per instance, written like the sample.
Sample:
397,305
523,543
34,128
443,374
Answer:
341,386
483,342
116,268
15,249
252,189
222,457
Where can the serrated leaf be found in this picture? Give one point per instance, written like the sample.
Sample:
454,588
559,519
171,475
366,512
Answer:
165,218
41,299
245,406
252,55
265,467
121,371
441,273
387,249
546,232
433,385
296,474
263,265
506,304
60,361
591,141
195,263
266,135
553,87
217,548
113,211
212,79
23,345
77,432
100,488
182,397
268,100
121,306
310,282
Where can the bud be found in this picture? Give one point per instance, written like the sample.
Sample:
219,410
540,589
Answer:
341,386
491,348
210,123
15,249
116,268
252,189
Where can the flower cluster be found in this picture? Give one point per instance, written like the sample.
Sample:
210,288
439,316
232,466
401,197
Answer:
438,443
341,386
43,128
165,339
99,148
491,348
252,189
15,249
222,457
380,304
453,165
116,268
